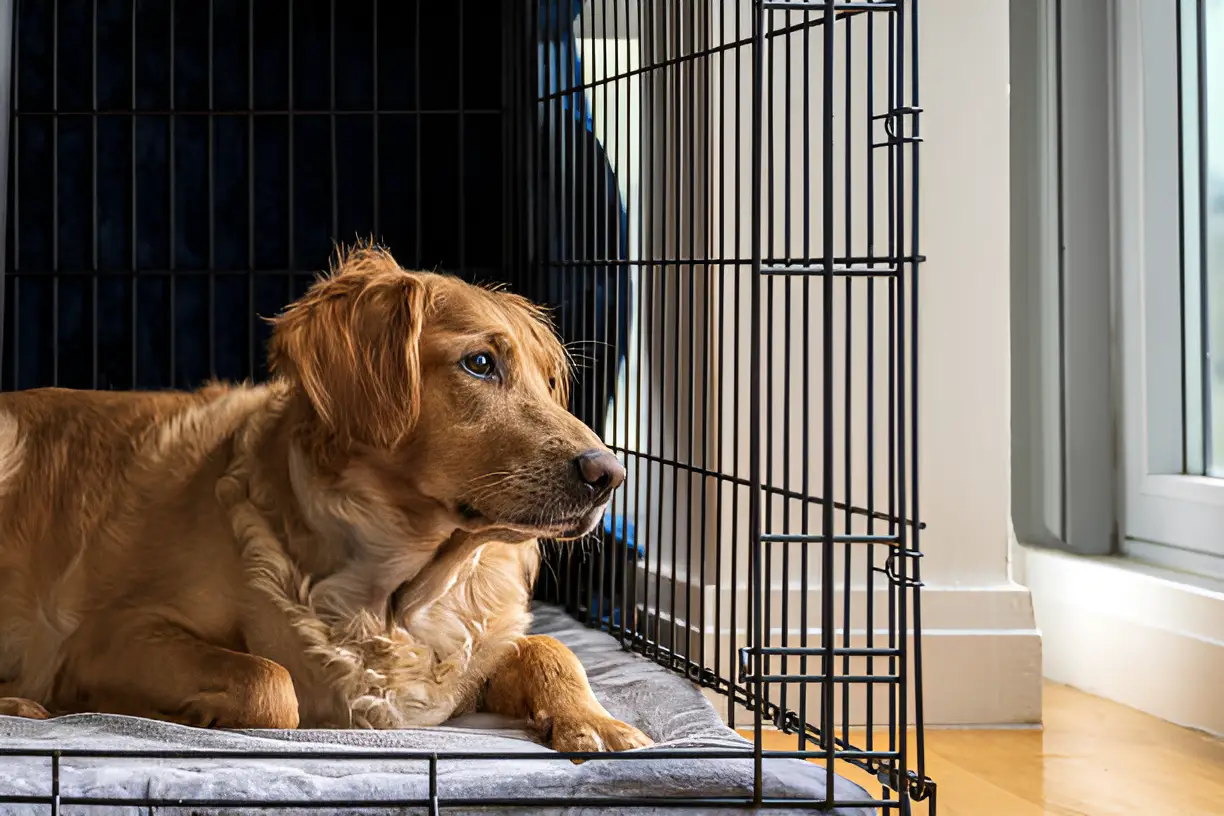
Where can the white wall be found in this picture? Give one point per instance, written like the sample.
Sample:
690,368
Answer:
965,336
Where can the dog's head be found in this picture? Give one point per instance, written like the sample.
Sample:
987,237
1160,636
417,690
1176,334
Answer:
447,392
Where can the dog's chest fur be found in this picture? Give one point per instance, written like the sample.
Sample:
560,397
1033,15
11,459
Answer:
357,669
352,663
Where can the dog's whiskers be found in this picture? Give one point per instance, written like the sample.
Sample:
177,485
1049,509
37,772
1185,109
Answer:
489,476
575,343
500,477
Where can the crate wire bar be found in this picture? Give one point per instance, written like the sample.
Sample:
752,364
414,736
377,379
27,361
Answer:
718,200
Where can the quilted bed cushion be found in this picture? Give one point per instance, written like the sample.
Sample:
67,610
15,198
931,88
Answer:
671,710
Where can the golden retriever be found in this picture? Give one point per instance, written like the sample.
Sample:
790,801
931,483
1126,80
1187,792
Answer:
350,545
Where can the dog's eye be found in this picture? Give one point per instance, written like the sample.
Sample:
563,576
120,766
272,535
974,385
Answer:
479,365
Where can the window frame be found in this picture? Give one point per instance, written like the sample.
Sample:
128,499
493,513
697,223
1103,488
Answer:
1102,458
1172,517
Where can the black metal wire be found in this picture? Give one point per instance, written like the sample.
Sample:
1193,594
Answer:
135,214
828,453
870,403
645,216
15,197
93,197
658,96
720,356
674,227
571,160
707,345
253,316
630,229
621,554
8,175
787,352
768,78
55,198
691,217
848,363
739,43
735,380
902,427
754,404
212,195
291,160
920,788
805,447
460,149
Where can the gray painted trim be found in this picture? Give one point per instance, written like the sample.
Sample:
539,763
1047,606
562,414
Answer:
1087,134
1037,444
1063,423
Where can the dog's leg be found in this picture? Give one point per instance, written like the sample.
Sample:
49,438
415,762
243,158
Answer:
543,681
157,670
21,707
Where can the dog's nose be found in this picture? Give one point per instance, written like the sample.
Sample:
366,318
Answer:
600,471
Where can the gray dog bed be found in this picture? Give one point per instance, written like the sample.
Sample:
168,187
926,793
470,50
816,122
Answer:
667,707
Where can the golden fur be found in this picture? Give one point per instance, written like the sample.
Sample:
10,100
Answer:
350,545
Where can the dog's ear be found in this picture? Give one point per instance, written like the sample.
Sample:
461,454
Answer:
352,345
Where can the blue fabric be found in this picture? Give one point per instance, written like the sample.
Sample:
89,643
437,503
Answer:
621,530
560,62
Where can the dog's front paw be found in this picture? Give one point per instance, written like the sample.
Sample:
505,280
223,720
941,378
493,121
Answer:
21,707
592,732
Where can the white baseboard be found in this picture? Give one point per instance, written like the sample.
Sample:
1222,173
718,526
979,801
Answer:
981,653
1138,635
971,677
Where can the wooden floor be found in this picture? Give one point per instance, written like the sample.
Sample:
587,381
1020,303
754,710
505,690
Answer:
1093,757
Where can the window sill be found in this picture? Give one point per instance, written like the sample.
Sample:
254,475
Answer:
1178,564
1141,635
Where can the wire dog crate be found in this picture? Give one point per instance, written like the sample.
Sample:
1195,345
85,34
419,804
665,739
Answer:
718,198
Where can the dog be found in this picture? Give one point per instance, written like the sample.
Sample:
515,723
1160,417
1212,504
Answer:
352,544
